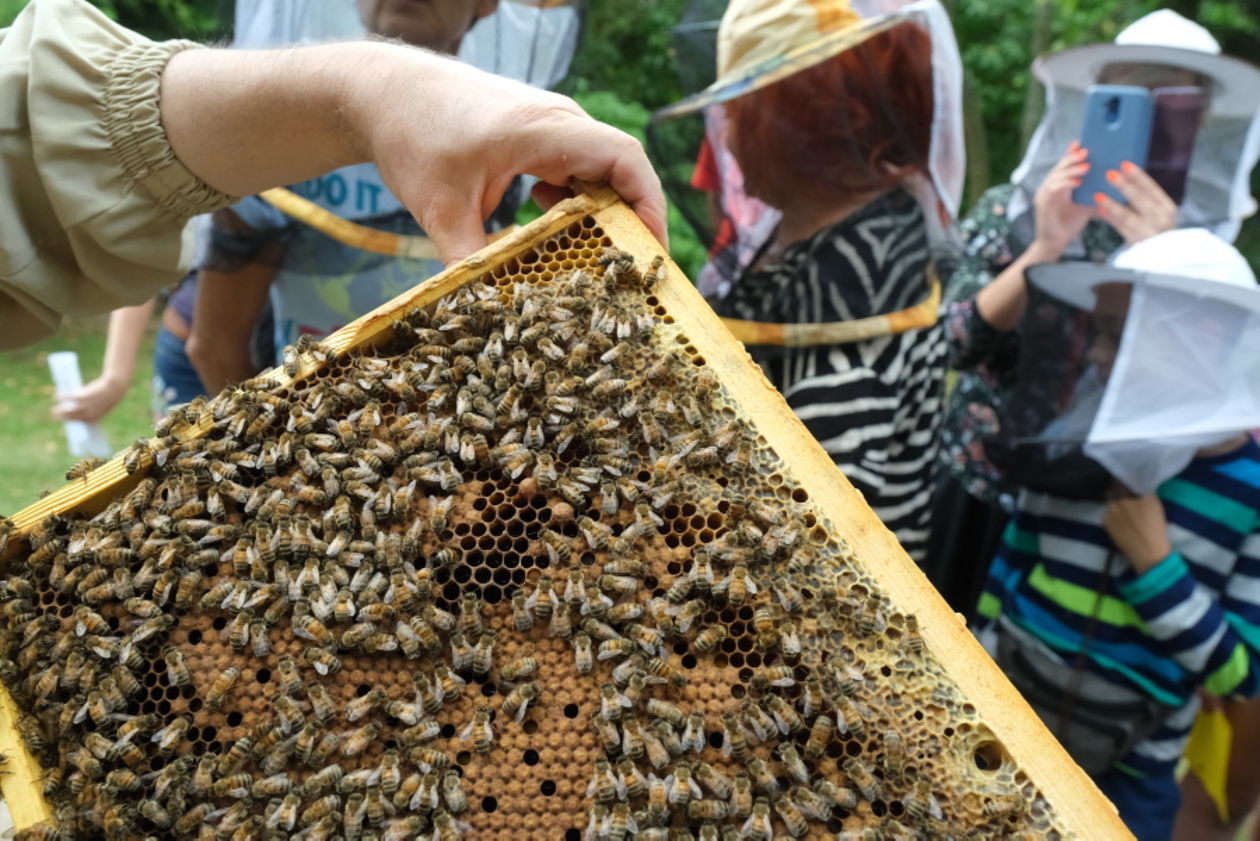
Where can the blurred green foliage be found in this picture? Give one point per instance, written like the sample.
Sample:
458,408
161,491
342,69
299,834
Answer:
625,67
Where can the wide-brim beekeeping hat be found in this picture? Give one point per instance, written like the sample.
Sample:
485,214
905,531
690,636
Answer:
1218,193
761,42
1186,371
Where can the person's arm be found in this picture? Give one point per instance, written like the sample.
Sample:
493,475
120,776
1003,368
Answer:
447,138
1059,221
122,345
228,305
114,142
1215,640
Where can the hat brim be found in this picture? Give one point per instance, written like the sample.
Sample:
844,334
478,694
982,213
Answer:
1233,94
1073,283
747,80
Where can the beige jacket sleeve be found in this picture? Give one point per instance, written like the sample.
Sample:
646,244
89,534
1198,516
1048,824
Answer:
93,202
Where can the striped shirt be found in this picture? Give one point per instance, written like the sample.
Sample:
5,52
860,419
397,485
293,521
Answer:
874,405
1191,621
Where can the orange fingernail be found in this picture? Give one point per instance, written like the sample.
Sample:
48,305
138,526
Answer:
1074,145
1128,166
1076,182
1100,199
1113,176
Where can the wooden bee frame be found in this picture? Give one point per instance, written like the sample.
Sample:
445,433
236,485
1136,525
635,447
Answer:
1008,733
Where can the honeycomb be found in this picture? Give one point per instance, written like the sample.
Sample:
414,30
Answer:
517,568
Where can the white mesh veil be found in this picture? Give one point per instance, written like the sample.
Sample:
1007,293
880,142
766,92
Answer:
1218,195
675,134
531,41
1186,372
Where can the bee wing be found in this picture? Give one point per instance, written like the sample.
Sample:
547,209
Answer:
466,733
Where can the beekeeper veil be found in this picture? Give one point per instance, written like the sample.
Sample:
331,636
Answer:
1133,367
1227,145
531,41
762,46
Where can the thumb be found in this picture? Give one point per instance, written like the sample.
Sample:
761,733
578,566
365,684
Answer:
456,230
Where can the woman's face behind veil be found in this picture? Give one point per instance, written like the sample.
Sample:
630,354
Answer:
1111,307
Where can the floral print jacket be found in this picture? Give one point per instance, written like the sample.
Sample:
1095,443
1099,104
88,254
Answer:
985,358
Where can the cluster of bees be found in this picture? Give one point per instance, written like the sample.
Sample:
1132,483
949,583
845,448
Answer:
323,511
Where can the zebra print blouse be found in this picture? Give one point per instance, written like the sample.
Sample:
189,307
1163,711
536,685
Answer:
875,405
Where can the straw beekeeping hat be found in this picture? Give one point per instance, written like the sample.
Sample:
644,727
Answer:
761,42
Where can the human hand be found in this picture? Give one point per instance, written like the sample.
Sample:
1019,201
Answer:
90,403
1059,219
452,138
1138,527
1150,210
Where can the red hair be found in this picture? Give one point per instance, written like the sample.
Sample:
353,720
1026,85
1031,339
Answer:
858,122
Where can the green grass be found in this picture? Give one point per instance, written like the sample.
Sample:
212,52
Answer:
33,454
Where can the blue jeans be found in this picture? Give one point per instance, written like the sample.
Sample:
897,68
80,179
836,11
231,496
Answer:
1147,805
175,381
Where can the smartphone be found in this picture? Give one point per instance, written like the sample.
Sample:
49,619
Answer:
1178,115
1116,128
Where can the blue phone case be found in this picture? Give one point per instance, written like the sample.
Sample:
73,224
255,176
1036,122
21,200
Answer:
1117,128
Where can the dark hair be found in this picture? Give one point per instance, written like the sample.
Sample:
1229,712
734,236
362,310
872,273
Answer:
854,123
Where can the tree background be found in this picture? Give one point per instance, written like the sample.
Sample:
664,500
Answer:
625,67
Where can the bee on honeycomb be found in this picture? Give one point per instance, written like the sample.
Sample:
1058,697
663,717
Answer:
516,570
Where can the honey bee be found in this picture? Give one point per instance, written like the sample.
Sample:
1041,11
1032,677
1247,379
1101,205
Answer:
682,788
611,701
848,717
921,802
171,735
859,773
608,649
608,732
709,810
522,618
516,703
479,730
709,638
452,684
461,651
483,654
365,704
605,786
453,792
323,661
661,670
543,600
913,640
358,740
221,686
837,796
582,660
176,669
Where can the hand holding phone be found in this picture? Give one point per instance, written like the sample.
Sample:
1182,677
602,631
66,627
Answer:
1117,128
1148,211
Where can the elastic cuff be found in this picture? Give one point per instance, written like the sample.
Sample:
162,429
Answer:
1158,579
133,121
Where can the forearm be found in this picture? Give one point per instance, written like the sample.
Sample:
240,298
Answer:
228,305
1193,628
1002,303
245,121
122,345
